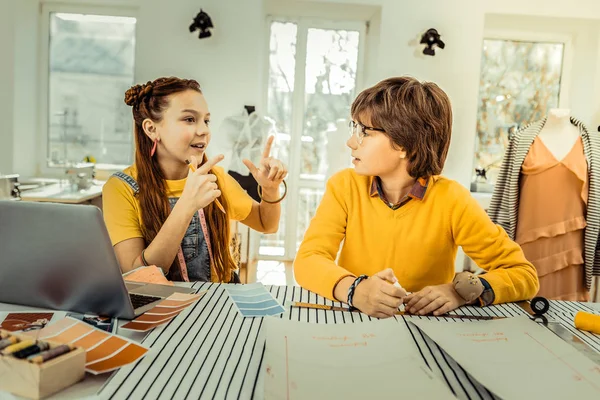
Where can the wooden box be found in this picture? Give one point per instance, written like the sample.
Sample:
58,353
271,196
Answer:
36,381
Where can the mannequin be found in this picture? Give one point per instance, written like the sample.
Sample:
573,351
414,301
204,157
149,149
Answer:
246,134
558,133
547,199
551,216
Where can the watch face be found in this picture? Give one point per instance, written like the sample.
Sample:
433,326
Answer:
487,296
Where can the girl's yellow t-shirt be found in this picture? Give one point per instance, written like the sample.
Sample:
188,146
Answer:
121,208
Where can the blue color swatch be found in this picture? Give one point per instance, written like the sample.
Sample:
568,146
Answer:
254,300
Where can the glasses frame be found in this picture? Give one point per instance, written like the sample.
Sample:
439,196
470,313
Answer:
361,132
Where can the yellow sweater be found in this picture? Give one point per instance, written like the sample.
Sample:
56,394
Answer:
418,241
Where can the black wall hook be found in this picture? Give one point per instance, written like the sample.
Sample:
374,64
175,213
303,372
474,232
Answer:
431,38
202,22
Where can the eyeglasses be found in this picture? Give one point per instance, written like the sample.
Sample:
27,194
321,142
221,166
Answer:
359,131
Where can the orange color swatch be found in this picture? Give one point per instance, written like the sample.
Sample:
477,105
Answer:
144,326
158,310
175,303
91,340
72,333
108,347
165,311
153,318
52,329
101,346
123,357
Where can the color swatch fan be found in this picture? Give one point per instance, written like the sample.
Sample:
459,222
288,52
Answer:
254,300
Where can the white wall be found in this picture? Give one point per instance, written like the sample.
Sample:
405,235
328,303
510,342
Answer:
455,69
580,9
584,34
231,65
26,87
228,65
545,8
371,60
7,49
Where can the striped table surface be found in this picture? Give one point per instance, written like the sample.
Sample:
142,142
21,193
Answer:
210,351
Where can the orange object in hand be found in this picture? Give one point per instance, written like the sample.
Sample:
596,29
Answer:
193,168
149,274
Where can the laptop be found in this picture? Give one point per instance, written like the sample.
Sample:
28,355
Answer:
60,257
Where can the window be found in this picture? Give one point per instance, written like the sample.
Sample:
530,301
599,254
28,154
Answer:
313,75
90,66
520,81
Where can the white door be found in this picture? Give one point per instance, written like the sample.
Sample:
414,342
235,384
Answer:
314,69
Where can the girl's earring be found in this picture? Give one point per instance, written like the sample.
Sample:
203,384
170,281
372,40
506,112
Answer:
153,148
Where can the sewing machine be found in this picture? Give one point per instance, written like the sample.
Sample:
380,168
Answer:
9,187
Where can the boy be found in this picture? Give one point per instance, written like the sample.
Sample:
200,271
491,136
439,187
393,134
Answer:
402,222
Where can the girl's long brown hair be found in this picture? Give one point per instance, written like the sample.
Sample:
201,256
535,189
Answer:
150,100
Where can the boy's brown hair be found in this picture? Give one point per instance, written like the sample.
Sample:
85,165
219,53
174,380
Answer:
416,116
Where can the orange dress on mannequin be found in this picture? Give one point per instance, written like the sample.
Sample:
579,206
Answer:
551,219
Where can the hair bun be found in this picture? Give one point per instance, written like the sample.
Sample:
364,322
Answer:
135,94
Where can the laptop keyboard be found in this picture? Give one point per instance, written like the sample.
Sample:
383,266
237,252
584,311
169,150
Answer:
138,300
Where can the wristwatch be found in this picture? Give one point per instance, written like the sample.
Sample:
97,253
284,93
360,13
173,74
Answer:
468,286
487,296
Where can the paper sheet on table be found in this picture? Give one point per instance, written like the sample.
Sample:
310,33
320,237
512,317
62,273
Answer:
105,352
310,361
516,358
162,313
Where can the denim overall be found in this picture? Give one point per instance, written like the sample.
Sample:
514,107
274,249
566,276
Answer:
195,250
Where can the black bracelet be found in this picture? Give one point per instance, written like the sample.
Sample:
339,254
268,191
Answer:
144,259
352,288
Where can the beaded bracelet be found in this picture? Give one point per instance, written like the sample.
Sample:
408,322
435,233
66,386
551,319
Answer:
351,290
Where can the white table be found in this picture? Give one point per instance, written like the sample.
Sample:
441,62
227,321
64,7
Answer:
62,193
222,354
209,351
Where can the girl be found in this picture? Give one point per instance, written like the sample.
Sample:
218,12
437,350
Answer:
172,207
394,211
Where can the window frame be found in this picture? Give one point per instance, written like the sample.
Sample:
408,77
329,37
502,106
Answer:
44,76
537,37
295,182
543,37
